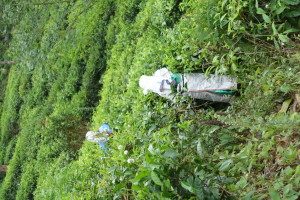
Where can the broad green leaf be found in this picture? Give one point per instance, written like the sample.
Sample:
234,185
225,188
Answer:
224,3
256,4
287,189
188,187
204,35
294,13
291,2
199,189
285,106
119,187
266,18
241,183
248,196
295,116
292,30
226,139
260,11
167,184
222,18
171,153
149,158
215,60
274,194
151,129
151,149
225,165
280,10
276,43
283,38
156,178
213,129
136,188
234,66
199,148
275,32
139,176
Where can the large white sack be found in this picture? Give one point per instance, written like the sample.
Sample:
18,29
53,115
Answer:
198,85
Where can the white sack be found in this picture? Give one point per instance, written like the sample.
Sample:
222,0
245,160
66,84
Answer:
152,83
198,85
91,136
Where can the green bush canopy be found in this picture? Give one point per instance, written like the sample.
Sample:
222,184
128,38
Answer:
66,67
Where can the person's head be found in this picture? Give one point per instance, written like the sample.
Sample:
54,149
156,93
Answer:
104,128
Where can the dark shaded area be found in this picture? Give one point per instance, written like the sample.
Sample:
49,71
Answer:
175,14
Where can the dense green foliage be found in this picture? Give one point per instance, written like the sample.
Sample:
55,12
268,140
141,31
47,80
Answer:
78,66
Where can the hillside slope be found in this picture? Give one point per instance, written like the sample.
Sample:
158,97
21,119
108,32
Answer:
78,66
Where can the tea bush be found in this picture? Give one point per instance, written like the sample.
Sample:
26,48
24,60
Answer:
78,66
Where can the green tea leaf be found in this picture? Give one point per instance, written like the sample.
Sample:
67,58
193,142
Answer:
291,2
225,165
241,183
140,176
199,149
283,38
151,149
285,106
119,187
266,18
292,30
280,10
294,13
275,32
274,194
171,153
199,189
156,178
188,187
260,11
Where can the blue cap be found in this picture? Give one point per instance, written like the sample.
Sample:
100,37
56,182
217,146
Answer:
105,128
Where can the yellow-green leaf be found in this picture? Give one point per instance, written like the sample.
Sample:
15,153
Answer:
285,106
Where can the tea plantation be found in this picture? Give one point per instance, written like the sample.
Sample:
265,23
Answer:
66,67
